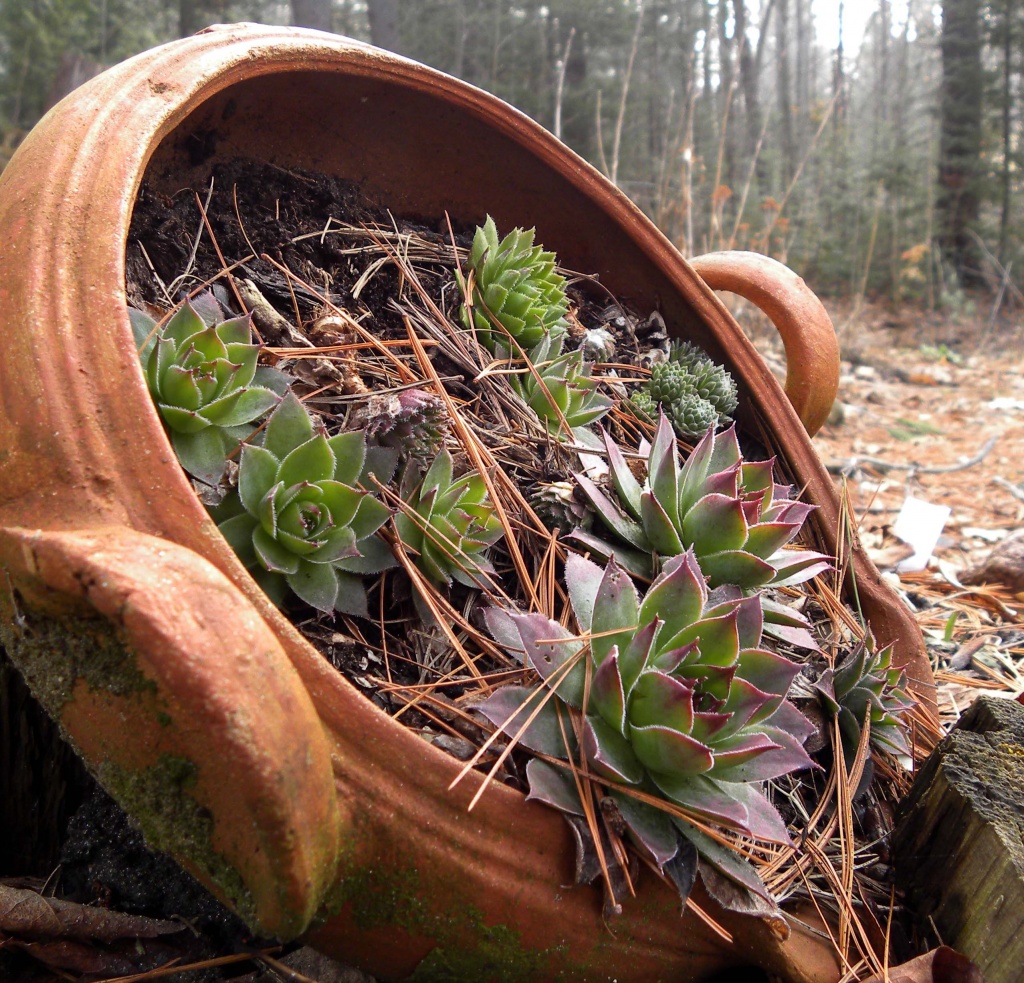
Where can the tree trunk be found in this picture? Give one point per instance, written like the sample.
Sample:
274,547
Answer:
750,71
1007,134
312,13
785,93
194,15
383,16
960,114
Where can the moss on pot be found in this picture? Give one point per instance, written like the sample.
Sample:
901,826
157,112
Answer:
393,898
172,821
54,653
498,955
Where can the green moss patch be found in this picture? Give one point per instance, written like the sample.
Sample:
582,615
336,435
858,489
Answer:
54,653
468,950
172,821
494,953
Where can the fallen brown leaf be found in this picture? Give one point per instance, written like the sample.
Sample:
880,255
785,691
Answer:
941,965
28,913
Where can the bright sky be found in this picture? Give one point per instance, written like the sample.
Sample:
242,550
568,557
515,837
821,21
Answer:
856,14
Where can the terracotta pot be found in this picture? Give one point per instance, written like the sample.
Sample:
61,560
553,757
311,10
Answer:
234,744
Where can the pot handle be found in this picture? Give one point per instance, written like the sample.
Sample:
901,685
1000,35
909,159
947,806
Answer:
181,700
812,350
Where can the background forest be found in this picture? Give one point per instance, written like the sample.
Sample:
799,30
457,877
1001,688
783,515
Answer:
874,145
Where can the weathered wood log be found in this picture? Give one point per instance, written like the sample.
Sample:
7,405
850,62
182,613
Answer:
959,841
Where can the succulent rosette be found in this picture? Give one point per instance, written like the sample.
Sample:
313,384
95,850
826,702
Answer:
206,385
448,524
693,398
728,511
412,421
517,291
867,686
560,387
305,520
682,702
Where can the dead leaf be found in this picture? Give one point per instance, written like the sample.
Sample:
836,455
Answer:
942,965
735,897
28,913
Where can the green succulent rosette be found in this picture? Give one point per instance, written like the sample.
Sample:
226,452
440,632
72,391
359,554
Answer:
517,291
448,524
206,384
304,519
867,686
559,387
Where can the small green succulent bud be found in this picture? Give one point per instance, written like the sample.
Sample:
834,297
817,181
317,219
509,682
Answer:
866,680
305,522
206,385
559,386
449,525
692,414
729,511
692,390
687,354
412,421
516,290
713,383
558,507
642,406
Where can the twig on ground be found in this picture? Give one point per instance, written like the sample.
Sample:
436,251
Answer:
846,468
1015,490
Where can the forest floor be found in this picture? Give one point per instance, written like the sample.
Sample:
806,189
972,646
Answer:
932,410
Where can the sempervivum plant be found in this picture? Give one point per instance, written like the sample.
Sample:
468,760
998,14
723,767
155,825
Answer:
681,701
693,391
303,520
867,684
559,387
206,385
448,525
727,510
412,421
516,290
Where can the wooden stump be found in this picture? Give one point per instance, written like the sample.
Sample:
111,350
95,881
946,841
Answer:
959,842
